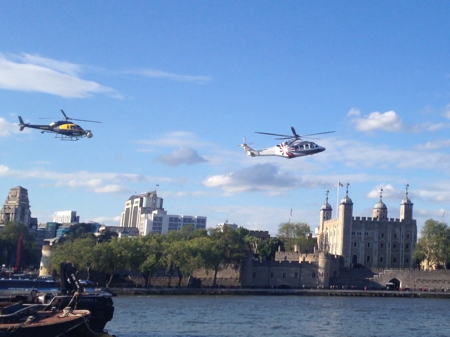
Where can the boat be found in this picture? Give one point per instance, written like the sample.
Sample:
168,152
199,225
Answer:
33,320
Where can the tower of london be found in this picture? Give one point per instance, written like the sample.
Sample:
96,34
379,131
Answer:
374,242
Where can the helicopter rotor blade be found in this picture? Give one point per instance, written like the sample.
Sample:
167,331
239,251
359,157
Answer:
319,133
84,120
273,134
294,133
64,114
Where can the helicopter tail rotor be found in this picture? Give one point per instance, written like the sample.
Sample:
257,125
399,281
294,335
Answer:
21,124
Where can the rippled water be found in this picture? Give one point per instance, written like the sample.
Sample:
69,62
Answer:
192,316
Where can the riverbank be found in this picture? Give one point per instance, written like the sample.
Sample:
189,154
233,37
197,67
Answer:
277,292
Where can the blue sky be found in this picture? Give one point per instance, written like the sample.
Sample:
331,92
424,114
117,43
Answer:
178,84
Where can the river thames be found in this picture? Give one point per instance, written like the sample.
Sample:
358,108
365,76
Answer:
195,316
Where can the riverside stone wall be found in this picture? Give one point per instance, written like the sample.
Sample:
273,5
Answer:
436,280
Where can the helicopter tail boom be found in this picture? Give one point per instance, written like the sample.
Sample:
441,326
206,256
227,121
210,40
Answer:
250,152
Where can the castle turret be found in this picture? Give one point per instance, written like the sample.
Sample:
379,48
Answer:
406,207
344,232
325,212
379,209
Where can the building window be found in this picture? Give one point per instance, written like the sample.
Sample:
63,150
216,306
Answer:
353,233
254,274
382,235
313,275
354,244
284,275
394,246
368,259
395,236
406,260
271,274
381,259
407,236
406,246
366,233
296,275
368,244
394,260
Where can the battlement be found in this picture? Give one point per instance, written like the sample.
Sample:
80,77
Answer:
371,219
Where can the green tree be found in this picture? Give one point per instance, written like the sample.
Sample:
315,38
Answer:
298,234
434,244
9,237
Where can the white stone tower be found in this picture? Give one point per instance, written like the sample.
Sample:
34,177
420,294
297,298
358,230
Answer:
344,232
406,207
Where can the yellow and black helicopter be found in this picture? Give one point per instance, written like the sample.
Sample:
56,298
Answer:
64,130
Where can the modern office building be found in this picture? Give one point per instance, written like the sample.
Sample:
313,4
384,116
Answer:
145,212
66,217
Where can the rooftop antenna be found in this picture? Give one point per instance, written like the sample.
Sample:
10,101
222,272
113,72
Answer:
381,193
406,191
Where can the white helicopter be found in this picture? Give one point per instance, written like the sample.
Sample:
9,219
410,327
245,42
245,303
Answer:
292,147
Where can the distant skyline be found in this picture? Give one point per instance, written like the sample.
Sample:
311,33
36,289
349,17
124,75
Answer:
178,85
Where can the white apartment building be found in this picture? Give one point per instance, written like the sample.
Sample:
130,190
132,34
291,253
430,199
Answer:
66,217
145,212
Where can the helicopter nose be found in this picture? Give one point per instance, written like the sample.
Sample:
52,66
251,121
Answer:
89,134
322,149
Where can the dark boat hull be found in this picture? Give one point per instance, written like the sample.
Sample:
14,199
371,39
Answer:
54,326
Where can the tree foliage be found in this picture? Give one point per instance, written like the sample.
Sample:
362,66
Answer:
9,237
433,247
296,234
179,253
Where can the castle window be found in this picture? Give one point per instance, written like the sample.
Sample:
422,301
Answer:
284,275
368,244
368,259
406,246
271,275
313,275
381,259
354,244
382,235
254,274
296,275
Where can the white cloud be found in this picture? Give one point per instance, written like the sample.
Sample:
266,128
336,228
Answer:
260,177
184,155
389,192
428,126
173,139
387,121
108,220
358,154
155,73
7,128
434,145
353,112
446,113
97,182
32,73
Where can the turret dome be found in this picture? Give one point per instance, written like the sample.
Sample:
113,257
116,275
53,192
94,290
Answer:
380,205
326,207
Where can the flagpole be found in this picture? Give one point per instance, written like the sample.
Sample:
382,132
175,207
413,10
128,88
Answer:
337,199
